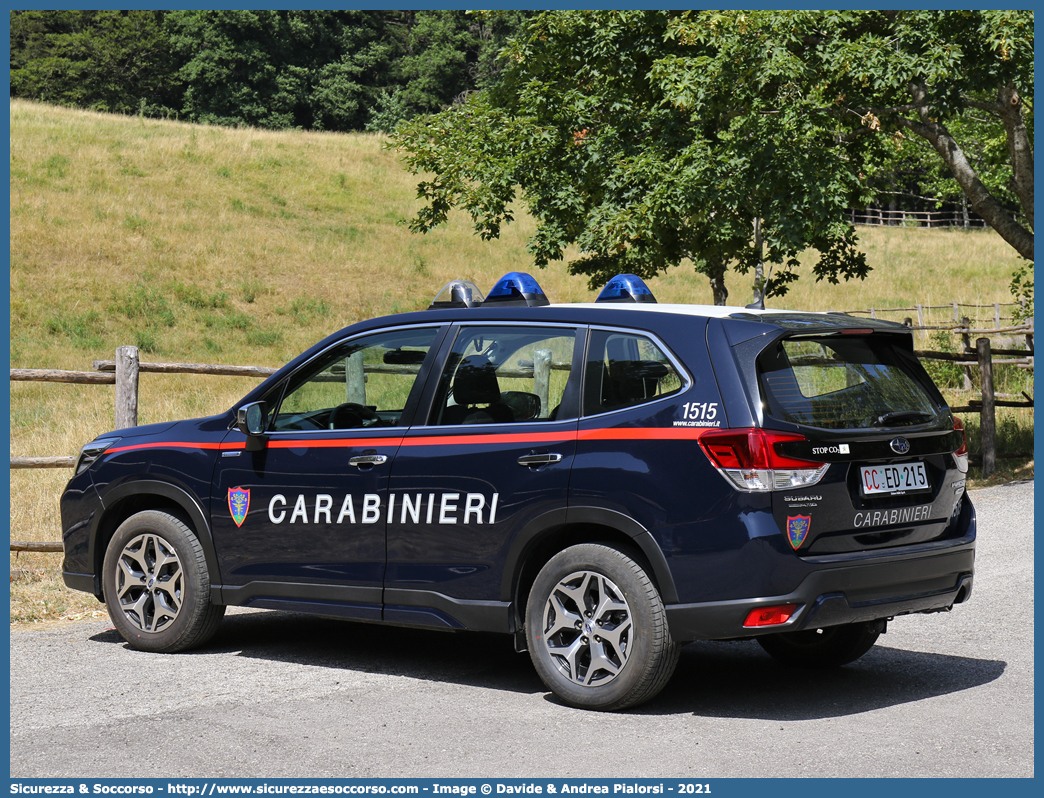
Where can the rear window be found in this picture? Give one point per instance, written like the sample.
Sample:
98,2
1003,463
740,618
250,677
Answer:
845,382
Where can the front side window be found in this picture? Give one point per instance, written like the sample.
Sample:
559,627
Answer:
845,382
507,375
361,383
626,369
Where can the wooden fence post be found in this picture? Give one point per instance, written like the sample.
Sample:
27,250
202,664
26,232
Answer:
126,386
355,379
967,348
542,379
987,415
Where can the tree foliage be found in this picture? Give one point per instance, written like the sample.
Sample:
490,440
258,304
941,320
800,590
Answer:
328,70
646,138
101,60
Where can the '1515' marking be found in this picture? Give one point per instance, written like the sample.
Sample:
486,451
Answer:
699,411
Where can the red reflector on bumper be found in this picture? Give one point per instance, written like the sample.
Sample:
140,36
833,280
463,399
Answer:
770,616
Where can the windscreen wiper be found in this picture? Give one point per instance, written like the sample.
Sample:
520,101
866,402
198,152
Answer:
902,415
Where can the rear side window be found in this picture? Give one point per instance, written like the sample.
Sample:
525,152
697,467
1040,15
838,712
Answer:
507,375
626,369
845,383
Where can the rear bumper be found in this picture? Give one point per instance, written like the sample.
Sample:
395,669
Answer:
841,591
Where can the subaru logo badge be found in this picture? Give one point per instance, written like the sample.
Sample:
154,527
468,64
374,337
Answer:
899,445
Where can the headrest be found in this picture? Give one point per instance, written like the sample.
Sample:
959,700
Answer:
637,381
476,382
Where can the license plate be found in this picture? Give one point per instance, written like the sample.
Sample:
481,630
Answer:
893,480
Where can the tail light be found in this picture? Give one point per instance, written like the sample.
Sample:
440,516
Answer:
749,459
961,455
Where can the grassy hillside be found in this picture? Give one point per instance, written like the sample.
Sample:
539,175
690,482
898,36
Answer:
217,244
243,246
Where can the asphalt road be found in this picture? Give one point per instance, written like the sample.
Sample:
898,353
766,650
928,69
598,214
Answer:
282,695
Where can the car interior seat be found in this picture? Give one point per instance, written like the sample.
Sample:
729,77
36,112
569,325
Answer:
474,384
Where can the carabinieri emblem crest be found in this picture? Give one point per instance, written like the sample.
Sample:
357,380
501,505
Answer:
238,504
797,529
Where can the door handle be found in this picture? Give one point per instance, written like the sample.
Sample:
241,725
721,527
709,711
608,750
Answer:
534,460
364,460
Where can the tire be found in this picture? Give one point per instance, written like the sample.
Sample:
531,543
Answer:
597,630
156,585
829,647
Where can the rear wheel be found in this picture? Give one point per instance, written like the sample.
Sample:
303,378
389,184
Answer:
829,647
597,630
156,584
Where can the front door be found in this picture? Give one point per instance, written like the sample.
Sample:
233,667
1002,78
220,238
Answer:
301,522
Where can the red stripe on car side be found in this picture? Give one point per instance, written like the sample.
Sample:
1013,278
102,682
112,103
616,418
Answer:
333,443
174,445
614,433
642,434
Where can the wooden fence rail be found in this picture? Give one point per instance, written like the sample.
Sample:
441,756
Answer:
881,217
124,371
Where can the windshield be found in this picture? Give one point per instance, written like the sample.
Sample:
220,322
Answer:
846,382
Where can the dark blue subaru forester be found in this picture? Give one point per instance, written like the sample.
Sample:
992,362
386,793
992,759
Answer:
605,482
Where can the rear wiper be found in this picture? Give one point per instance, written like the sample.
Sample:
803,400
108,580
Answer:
902,415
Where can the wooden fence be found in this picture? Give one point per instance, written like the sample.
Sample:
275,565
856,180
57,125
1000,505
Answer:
882,217
953,316
124,371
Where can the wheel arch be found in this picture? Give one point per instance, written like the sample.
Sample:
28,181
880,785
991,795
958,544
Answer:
128,498
552,532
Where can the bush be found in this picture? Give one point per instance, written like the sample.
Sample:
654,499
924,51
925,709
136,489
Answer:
946,374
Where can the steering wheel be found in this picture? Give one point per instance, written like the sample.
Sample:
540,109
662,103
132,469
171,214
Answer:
350,415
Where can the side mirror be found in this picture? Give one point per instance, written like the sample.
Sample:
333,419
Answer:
252,420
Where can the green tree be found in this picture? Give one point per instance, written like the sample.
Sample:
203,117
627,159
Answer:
276,69
331,70
440,58
648,138
117,61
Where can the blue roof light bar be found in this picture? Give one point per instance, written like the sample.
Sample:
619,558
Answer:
516,288
626,288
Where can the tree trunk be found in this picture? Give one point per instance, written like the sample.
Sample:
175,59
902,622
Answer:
982,201
1020,149
717,281
759,265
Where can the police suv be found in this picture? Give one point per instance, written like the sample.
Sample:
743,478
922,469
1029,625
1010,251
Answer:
604,481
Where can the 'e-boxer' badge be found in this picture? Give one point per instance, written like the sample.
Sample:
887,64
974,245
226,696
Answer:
797,529
238,504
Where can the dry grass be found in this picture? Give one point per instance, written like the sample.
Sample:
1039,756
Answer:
243,246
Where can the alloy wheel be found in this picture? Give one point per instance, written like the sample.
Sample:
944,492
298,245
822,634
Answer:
587,628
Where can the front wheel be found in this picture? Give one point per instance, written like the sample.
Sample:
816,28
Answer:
156,584
829,647
597,630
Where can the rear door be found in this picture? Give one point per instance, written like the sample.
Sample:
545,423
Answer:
493,458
